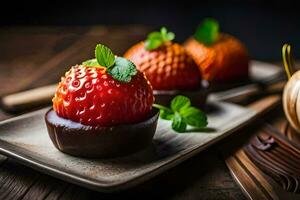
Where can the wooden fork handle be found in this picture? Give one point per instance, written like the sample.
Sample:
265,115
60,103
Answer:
28,99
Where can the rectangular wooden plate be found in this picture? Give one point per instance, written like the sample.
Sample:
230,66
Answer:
25,138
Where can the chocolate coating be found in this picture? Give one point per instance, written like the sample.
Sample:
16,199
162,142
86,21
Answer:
102,142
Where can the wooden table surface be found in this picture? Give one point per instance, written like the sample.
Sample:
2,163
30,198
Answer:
36,56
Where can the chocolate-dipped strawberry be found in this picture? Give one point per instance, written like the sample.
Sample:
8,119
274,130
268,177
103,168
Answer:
167,65
102,108
220,57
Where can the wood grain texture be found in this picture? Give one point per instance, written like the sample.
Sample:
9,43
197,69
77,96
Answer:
267,167
265,104
31,53
25,49
192,180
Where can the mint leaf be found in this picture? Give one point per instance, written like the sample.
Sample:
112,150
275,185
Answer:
156,39
166,115
165,35
153,44
123,70
170,36
104,56
182,114
119,68
155,35
163,31
91,63
180,102
207,32
178,123
194,117
165,112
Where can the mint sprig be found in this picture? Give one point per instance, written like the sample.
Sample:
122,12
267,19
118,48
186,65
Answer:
123,70
104,56
119,68
181,113
178,123
207,32
156,39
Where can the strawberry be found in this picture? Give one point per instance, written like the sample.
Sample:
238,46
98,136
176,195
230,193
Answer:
219,56
95,95
167,65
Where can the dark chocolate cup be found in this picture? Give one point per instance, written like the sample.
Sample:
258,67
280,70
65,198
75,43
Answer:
100,142
197,97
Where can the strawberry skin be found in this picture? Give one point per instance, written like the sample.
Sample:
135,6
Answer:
168,67
226,60
90,96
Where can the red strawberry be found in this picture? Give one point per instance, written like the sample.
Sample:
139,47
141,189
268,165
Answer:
167,65
91,96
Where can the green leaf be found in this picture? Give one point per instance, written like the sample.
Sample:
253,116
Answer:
182,114
119,68
163,31
178,123
156,39
123,70
104,56
91,63
153,44
166,115
170,36
207,32
165,112
194,117
165,35
180,102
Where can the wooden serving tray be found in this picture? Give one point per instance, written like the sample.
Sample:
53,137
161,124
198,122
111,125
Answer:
25,138
268,165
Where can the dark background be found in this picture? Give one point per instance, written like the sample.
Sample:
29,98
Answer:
262,25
